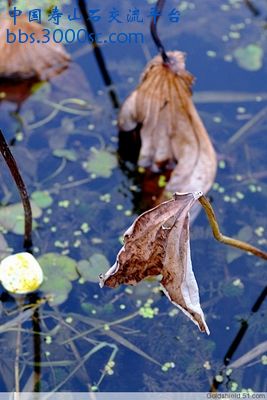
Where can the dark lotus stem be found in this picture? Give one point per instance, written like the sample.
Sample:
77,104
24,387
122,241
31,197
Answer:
154,33
9,3
251,6
239,337
36,327
225,239
98,54
12,165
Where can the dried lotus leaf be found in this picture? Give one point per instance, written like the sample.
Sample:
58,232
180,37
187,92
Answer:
172,132
157,243
29,60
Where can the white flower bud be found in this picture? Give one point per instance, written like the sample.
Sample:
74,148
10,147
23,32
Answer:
20,273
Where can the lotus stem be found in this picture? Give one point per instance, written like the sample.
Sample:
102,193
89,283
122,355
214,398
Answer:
225,239
12,165
154,33
98,54
37,349
239,337
251,6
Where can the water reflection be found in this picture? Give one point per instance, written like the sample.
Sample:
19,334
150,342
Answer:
121,340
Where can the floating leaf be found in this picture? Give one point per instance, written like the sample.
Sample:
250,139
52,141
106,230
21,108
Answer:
42,199
158,244
101,163
233,254
69,155
20,273
249,57
12,217
57,263
90,270
245,234
58,271
58,290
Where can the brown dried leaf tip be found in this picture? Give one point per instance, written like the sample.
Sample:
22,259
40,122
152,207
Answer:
157,243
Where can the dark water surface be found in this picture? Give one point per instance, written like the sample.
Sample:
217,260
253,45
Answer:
121,340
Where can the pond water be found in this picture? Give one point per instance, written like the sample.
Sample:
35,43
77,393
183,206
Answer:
65,140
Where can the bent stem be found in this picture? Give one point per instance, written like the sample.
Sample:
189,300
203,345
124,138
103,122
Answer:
154,33
12,165
225,239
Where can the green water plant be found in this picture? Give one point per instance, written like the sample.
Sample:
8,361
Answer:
59,272
249,57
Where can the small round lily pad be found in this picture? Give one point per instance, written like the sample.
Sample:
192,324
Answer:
59,271
249,57
92,268
12,217
42,199
101,163
69,155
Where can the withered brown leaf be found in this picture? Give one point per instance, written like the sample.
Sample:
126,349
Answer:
157,243
172,131
29,60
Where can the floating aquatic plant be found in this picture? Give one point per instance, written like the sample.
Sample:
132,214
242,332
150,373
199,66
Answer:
12,217
90,269
249,57
100,163
59,272
42,199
